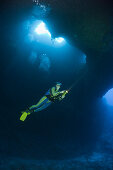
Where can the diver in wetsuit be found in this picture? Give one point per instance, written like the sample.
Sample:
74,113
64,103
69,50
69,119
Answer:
52,95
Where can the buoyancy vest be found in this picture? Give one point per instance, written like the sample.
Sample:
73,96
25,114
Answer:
49,95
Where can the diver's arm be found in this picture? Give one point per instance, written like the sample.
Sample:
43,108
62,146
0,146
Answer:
53,92
62,93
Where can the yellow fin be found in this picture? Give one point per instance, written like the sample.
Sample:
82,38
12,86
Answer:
23,116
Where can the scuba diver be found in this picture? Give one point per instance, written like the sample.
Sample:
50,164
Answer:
51,96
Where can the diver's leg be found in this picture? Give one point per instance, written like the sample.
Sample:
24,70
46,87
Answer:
41,101
32,108
44,106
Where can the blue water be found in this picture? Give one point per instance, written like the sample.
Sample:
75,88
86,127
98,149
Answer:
75,133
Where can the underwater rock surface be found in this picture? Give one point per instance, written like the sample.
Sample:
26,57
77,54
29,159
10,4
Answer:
96,161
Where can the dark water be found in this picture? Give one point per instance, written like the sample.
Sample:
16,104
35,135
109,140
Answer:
75,133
